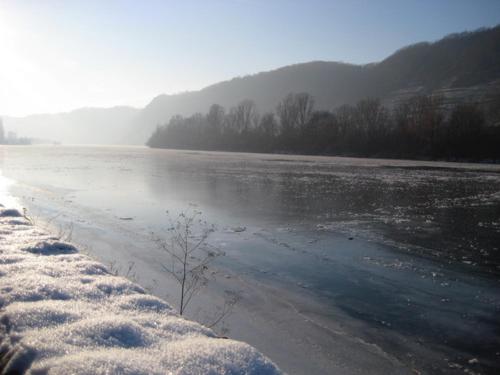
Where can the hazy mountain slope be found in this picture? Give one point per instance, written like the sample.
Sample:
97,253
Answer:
86,125
458,60
465,65
331,83
460,67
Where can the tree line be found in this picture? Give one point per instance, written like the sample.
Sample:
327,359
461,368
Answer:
421,127
11,138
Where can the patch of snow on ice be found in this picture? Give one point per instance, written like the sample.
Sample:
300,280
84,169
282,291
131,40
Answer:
51,248
10,212
62,312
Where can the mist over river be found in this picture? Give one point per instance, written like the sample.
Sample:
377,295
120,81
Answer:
341,265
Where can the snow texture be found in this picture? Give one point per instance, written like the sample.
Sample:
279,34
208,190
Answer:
61,312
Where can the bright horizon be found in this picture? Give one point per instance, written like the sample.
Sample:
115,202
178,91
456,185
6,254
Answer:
59,56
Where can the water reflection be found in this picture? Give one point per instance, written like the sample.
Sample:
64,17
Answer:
438,212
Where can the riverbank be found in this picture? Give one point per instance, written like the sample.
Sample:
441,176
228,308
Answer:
63,312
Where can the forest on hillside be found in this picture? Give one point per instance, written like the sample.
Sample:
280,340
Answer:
421,127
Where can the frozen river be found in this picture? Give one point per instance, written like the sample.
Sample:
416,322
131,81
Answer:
341,265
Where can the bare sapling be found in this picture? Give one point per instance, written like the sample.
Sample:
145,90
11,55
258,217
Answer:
189,253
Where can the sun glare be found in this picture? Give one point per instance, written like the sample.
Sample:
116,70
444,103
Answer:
26,84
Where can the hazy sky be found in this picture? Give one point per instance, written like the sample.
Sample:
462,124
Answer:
61,55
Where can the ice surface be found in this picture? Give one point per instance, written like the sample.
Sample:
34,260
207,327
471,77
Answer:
62,312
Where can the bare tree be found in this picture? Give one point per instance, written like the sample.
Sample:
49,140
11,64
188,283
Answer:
268,125
372,118
215,117
305,108
246,115
345,116
189,254
295,110
287,113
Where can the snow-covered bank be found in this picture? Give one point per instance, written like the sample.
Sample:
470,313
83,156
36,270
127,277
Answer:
63,312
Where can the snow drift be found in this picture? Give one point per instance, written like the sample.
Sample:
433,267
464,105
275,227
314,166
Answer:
62,312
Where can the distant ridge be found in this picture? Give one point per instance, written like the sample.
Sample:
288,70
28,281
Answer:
80,126
460,67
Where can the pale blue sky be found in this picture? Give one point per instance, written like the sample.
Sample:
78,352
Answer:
60,55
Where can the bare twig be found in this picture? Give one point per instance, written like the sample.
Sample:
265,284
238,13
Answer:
189,254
